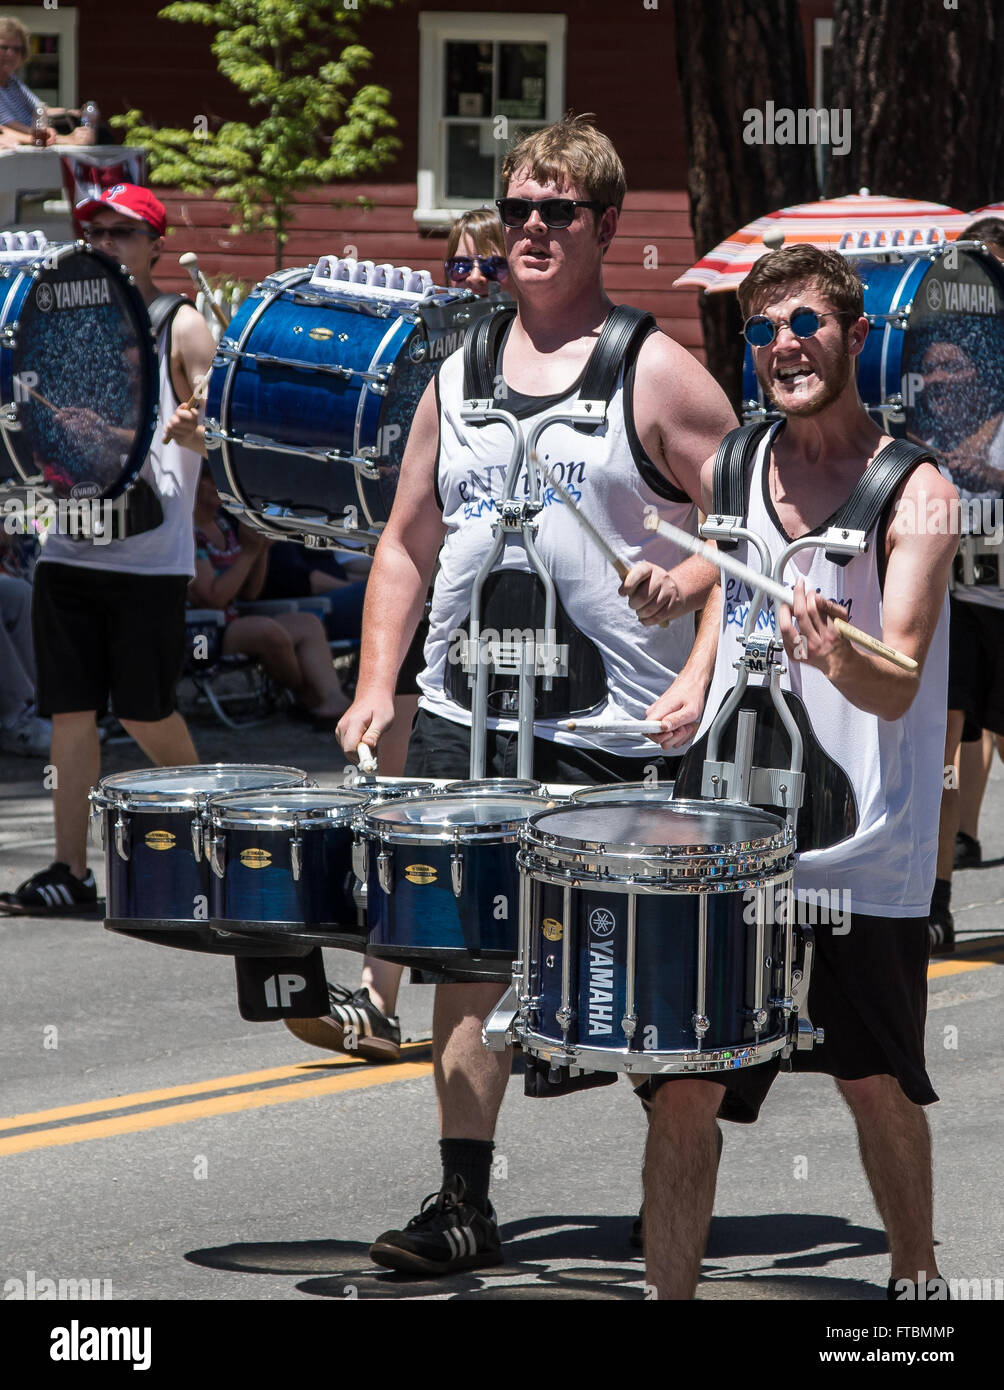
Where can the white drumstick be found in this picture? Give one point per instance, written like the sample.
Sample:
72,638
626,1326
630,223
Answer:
190,262
367,758
762,582
618,727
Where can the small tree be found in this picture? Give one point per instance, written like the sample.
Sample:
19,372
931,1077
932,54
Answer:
320,123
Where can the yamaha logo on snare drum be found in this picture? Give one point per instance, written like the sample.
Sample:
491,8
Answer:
255,858
552,929
159,839
601,921
420,873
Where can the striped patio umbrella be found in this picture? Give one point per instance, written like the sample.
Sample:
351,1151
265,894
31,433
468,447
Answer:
991,210
858,221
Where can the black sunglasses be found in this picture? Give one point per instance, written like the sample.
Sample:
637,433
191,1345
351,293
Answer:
117,234
491,267
554,212
759,330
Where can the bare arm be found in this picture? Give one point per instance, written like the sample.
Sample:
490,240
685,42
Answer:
917,570
681,414
192,353
398,582
218,590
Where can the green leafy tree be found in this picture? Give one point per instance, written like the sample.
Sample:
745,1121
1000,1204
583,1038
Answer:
321,122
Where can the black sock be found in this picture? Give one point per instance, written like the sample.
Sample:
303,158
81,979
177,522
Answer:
942,895
470,1159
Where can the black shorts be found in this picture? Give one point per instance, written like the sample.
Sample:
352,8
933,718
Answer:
101,634
440,748
976,666
414,660
868,993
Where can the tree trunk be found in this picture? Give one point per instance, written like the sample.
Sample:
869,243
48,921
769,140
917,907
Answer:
923,84
734,55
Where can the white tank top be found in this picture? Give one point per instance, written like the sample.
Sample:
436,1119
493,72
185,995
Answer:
173,473
601,469
887,867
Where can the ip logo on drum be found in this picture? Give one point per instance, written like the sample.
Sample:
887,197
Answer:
44,297
601,921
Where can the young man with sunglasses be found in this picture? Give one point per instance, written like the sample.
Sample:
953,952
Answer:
882,728
109,620
564,190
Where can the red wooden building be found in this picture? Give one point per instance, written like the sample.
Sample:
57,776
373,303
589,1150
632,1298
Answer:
452,71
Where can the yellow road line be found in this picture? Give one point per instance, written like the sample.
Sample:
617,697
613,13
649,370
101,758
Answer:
194,1088
220,1105
957,967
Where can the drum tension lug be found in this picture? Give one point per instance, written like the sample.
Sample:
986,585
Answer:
385,871
457,867
197,838
122,846
214,853
296,855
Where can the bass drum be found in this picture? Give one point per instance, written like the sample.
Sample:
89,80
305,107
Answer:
79,378
932,368
313,392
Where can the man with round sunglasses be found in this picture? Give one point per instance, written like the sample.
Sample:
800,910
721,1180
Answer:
882,727
564,189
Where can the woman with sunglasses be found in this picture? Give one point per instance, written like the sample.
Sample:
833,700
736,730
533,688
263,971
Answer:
475,253
18,104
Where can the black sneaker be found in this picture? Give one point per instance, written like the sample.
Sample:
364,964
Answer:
941,926
968,854
355,1025
52,892
447,1235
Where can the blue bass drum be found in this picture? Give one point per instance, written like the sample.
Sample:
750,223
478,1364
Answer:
442,882
932,368
151,825
79,378
282,865
650,939
314,388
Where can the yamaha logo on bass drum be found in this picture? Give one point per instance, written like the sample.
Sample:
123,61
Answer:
72,294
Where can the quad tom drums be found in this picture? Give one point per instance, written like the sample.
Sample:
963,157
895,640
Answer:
314,388
650,941
152,828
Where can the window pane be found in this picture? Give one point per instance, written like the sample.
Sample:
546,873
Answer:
522,74
470,169
468,79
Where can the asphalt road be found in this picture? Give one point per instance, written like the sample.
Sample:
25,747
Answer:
153,1139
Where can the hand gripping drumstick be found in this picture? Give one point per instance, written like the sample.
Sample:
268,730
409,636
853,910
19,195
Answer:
772,589
621,566
201,384
367,759
190,261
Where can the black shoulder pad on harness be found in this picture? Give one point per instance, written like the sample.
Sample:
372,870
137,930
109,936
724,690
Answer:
875,487
731,462
481,345
163,308
620,335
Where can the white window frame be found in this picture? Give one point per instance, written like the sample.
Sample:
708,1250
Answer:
435,31
62,22
822,38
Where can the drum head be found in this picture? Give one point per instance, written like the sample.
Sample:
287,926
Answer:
442,814
86,376
657,792
483,786
184,784
701,827
285,807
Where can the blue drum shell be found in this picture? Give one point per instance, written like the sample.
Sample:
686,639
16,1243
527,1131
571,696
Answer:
161,885
265,898
422,920
665,969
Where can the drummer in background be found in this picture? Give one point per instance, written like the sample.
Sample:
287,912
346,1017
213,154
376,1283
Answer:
475,260
565,186
883,727
109,620
975,698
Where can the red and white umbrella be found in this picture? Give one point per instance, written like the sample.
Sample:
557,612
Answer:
858,221
991,210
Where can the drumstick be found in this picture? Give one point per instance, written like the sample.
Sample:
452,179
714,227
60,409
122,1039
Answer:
772,589
39,397
367,758
201,383
617,726
621,566
190,261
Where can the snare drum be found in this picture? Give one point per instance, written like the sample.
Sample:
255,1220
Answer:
652,793
79,377
442,882
282,865
649,937
313,391
151,826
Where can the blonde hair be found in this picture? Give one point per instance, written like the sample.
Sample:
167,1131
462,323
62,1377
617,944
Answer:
10,25
572,151
483,227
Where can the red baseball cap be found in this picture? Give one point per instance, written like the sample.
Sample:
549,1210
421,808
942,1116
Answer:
130,199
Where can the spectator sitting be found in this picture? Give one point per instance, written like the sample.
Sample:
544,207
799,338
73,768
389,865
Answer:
292,647
296,572
18,103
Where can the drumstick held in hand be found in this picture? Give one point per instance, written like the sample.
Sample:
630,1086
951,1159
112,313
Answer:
190,262
39,397
367,759
778,592
621,566
201,384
